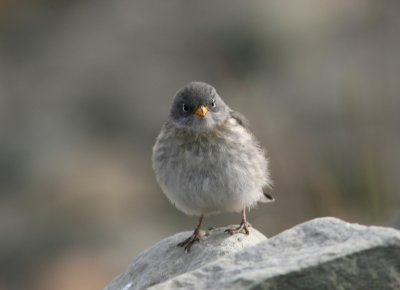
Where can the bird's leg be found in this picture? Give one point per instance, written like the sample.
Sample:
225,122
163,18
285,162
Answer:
242,228
195,237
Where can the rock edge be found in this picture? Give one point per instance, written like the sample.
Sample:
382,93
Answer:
324,253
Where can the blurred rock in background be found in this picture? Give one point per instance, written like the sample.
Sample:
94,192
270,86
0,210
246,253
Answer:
86,85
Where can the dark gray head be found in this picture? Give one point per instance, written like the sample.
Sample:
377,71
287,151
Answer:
198,107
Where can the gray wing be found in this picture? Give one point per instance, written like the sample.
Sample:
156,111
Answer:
241,119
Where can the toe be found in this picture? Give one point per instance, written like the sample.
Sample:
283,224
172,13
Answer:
187,244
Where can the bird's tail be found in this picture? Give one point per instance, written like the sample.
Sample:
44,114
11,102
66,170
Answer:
267,197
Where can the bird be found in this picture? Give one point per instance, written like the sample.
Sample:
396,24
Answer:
207,161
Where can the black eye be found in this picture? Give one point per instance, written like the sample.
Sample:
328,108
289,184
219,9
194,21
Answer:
213,103
185,108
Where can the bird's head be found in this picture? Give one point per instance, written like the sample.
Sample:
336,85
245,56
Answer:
198,107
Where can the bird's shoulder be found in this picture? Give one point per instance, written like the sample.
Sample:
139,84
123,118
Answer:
239,118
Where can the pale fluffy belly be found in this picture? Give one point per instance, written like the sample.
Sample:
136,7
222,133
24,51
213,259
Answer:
210,184
218,173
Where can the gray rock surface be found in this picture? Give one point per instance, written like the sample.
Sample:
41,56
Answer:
324,253
164,260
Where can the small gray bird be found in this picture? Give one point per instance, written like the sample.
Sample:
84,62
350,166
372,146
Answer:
207,161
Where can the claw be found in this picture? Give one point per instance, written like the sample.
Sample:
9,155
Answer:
187,244
242,228
195,237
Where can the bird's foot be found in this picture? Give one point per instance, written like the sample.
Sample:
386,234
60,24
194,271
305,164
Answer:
187,244
242,228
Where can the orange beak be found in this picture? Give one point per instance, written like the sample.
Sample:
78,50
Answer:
201,111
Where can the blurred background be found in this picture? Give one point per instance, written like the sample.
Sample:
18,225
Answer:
86,85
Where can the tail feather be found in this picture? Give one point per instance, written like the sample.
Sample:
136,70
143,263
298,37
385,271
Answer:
267,197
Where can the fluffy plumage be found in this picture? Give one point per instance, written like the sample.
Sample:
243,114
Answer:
209,164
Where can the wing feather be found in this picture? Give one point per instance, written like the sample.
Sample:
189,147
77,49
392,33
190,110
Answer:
241,119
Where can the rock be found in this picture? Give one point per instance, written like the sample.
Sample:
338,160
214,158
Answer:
164,260
324,253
